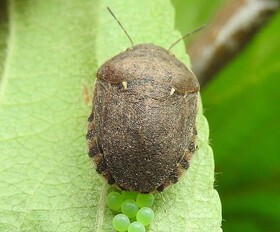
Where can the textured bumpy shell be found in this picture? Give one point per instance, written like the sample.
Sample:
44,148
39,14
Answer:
141,132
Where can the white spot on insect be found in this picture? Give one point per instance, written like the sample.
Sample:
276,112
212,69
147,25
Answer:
124,83
172,91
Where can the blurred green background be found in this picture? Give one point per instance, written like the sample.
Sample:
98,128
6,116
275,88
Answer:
241,104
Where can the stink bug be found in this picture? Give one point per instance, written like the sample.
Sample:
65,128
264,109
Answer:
141,132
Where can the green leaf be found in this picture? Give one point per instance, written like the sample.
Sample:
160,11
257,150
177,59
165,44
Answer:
3,34
47,180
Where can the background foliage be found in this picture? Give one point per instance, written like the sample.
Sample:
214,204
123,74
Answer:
242,107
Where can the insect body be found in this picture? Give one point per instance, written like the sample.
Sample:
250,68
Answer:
141,131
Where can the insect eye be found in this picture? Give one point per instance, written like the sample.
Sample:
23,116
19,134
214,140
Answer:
172,91
185,83
124,85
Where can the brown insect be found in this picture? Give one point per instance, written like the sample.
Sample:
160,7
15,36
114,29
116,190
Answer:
141,132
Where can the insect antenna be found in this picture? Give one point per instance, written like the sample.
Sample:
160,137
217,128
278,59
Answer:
120,25
187,35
